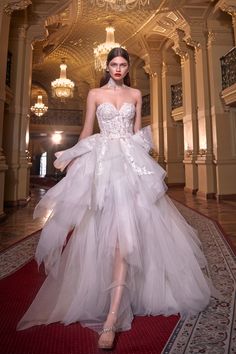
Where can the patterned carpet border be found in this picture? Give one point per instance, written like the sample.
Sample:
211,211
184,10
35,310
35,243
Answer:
213,331
17,255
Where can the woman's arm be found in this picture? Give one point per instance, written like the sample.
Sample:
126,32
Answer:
138,116
90,115
89,120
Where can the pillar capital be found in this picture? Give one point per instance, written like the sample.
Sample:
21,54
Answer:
195,35
12,5
219,36
36,32
228,6
196,38
153,63
180,47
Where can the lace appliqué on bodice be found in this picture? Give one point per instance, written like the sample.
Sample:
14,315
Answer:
116,123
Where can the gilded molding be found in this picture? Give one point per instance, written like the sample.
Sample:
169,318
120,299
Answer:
192,43
230,9
188,153
211,37
13,5
147,69
181,53
202,152
180,46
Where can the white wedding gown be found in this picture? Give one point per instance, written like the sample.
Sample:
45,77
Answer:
113,196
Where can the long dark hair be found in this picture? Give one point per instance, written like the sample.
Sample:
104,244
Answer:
116,52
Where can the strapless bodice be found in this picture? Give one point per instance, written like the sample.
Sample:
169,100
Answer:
114,122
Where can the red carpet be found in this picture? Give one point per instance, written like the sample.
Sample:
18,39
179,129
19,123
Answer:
148,334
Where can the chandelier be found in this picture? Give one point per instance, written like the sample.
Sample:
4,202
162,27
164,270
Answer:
62,87
120,5
101,51
39,107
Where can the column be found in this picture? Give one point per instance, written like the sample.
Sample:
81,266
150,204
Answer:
23,154
190,111
220,41
153,66
4,34
204,161
17,187
12,126
173,131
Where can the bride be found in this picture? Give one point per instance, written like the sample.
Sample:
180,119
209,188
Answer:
130,252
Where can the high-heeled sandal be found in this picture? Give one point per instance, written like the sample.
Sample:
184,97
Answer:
107,344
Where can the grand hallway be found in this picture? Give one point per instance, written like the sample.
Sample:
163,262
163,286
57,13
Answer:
181,66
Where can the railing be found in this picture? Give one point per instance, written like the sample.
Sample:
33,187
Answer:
146,110
8,73
228,68
176,95
59,117
74,117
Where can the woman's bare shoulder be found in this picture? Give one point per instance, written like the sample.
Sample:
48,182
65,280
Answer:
95,93
135,92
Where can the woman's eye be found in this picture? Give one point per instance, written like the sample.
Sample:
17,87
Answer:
121,65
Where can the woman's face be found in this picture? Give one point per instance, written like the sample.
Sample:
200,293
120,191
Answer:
118,68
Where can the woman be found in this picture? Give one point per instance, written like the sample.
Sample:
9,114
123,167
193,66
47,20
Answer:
131,252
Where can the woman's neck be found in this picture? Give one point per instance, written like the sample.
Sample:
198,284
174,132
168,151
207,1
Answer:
115,84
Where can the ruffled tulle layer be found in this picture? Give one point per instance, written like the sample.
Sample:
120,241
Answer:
113,197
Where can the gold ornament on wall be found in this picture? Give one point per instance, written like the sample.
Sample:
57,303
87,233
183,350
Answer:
120,5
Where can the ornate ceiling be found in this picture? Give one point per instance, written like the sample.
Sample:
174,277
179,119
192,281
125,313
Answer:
74,27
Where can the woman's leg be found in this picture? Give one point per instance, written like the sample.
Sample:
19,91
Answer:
119,277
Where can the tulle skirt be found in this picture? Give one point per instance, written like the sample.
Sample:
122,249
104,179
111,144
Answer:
113,197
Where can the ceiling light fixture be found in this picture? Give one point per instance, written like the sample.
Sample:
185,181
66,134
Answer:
62,88
101,51
39,107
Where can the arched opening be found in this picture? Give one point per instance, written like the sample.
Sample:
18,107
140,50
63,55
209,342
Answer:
43,165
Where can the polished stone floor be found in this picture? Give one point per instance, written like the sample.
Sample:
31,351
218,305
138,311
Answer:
224,212
19,222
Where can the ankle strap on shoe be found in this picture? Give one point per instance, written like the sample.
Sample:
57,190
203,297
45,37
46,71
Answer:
108,329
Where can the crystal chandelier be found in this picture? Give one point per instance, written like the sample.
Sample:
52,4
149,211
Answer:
101,51
62,87
120,5
39,107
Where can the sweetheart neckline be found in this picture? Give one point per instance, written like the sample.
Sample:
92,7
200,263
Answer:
111,104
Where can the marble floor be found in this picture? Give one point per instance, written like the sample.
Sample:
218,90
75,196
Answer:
19,222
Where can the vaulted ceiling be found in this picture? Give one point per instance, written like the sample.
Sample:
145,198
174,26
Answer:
74,27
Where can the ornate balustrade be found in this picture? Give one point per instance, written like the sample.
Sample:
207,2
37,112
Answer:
59,117
228,68
75,117
176,95
146,109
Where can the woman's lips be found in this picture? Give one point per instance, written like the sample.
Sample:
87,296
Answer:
117,74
